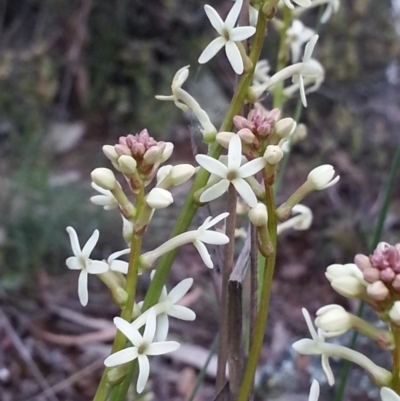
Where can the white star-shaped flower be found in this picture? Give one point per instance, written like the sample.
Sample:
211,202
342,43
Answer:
106,199
301,3
143,346
228,36
233,173
80,261
167,306
314,347
297,35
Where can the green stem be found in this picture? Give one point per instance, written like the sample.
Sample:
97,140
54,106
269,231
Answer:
396,359
376,238
262,316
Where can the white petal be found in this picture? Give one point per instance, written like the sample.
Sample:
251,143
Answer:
252,167
289,4
102,200
116,255
74,263
234,57
245,191
310,48
303,3
306,347
213,237
180,290
211,50
241,33
90,244
150,328
82,287
205,256
121,357
181,312
311,328
119,266
144,372
130,332
212,165
209,222
215,191
162,327
73,236
233,15
327,369
234,153
387,394
161,348
314,391
97,267
302,91
214,18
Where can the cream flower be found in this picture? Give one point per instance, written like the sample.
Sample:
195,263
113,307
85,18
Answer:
321,177
228,36
80,261
143,346
233,173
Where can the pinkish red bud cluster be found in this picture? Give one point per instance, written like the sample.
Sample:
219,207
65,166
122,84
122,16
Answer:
381,269
136,145
255,128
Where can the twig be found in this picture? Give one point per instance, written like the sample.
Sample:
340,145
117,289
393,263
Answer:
25,356
253,279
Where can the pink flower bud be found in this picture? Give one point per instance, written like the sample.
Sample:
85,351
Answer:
378,291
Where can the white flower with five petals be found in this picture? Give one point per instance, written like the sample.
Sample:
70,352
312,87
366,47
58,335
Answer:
167,306
228,36
233,173
81,261
143,346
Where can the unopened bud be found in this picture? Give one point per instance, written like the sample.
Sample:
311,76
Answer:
362,261
181,173
223,138
152,155
337,270
349,287
159,198
104,178
394,313
167,152
300,132
110,153
258,215
377,291
127,165
246,135
273,154
322,177
163,172
333,320
283,128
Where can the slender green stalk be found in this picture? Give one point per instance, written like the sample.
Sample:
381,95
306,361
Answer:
376,238
262,316
396,359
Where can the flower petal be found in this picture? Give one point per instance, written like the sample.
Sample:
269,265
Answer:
310,48
74,263
306,346
214,18
144,372
252,167
241,33
162,327
311,328
303,3
211,50
234,153
121,357
387,394
213,237
102,200
130,332
245,191
215,191
163,347
314,391
97,267
327,369
73,236
210,222
180,290
116,255
212,165
119,266
204,254
90,244
82,287
150,328
234,57
181,312
233,15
